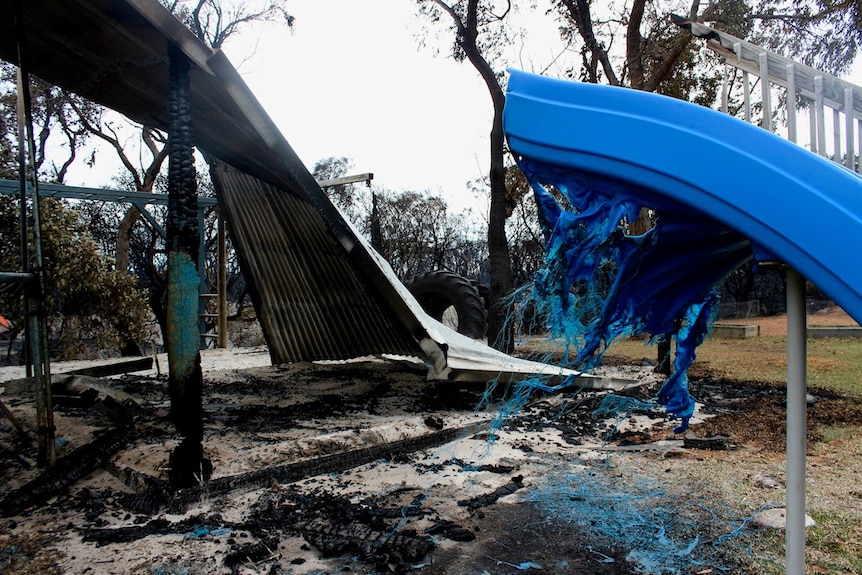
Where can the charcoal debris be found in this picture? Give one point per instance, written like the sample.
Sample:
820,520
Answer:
395,549
65,472
480,501
451,531
251,552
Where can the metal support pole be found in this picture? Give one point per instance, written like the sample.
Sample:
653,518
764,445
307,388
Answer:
202,276
24,225
791,103
35,298
796,424
221,329
765,93
836,135
820,114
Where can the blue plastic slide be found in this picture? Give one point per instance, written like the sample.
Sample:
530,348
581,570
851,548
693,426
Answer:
725,192
675,156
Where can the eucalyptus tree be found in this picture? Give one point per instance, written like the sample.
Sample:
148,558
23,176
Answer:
58,124
351,199
142,149
637,45
418,233
480,32
825,34
89,305
216,21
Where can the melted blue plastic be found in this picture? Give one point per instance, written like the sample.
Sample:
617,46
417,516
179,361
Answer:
663,529
600,283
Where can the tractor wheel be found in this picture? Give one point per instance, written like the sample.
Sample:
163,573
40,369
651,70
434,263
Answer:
452,300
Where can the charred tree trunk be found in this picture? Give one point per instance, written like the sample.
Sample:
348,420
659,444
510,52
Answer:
500,331
185,379
124,238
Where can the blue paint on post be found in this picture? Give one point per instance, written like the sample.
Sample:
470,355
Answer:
183,334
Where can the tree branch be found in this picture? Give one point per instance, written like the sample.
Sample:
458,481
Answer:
505,12
634,45
665,69
579,10
113,141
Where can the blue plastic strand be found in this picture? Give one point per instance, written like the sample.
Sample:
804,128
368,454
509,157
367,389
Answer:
600,283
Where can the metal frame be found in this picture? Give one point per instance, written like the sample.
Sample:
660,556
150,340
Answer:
141,200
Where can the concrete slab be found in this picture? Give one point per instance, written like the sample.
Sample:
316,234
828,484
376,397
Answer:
736,331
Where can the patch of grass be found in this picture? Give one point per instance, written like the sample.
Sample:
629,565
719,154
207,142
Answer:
833,363
835,448
839,432
835,543
762,552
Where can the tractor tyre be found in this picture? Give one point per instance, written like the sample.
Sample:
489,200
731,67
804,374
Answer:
452,300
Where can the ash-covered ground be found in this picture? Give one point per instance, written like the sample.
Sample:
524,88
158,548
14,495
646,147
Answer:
366,467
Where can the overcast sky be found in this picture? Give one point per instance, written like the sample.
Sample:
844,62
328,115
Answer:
350,80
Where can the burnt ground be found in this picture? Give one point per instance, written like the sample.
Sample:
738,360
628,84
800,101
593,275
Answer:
368,468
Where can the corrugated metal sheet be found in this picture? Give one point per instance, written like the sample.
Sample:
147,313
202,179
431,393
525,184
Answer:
313,302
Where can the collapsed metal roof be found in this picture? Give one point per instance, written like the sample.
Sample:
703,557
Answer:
319,289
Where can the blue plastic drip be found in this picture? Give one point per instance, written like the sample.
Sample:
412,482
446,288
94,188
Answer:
600,283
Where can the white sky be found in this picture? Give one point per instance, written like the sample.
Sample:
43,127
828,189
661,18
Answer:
350,80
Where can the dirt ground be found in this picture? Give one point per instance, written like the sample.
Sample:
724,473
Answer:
368,468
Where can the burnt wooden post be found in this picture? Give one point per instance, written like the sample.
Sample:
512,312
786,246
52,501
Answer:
185,380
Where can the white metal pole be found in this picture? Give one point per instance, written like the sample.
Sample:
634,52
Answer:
821,115
796,424
836,135
765,94
791,103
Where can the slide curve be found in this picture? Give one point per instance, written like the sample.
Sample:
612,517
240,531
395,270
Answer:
726,177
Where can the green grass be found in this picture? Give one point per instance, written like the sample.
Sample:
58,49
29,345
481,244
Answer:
833,363
834,543
839,432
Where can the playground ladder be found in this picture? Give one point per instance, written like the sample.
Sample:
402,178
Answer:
831,107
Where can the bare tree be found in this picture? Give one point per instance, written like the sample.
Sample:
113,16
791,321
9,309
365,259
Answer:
526,240
141,175
215,21
418,234
212,21
55,111
479,34
351,199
